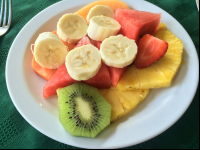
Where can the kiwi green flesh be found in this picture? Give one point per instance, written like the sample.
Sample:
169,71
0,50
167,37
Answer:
83,111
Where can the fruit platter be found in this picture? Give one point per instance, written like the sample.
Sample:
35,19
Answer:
101,70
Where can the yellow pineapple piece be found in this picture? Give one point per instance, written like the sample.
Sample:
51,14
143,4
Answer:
162,72
123,102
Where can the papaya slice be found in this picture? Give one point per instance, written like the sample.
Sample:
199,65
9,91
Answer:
113,4
43,72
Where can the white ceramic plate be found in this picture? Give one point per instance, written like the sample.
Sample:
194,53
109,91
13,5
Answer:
161,110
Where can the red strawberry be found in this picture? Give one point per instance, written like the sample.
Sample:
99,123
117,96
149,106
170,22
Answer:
150,50
84,41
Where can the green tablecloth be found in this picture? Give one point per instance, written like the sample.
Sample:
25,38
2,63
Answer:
15,132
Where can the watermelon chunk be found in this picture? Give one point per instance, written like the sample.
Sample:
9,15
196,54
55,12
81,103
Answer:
97,44
116,74
60,79
137,23
84,41
102,79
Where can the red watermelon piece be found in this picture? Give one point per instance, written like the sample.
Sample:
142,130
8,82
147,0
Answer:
60,79
84,41
102,79
137,23
97,44
116,74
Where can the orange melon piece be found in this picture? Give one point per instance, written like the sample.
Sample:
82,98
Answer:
113,4
43,72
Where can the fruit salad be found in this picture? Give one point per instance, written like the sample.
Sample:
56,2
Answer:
102,61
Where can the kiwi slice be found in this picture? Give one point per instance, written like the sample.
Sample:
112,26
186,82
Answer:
83,111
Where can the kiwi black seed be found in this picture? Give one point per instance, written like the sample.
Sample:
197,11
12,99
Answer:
83,111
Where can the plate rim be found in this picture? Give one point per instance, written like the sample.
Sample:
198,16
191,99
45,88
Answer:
12,98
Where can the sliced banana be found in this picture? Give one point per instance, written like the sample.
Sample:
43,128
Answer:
118,51
49,51
83,62
71,28
102,27
100,10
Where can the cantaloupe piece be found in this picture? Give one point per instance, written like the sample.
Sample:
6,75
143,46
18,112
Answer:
113,4
43,72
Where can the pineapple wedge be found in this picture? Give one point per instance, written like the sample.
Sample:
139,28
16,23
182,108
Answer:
162,72
123,102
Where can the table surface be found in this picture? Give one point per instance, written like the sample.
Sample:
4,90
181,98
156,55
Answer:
15,132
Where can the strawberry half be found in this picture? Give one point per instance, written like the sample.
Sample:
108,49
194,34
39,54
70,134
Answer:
150,50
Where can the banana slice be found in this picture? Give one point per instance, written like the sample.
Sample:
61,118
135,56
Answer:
83,62
118,51
49,51
71,28
100,10
102,27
